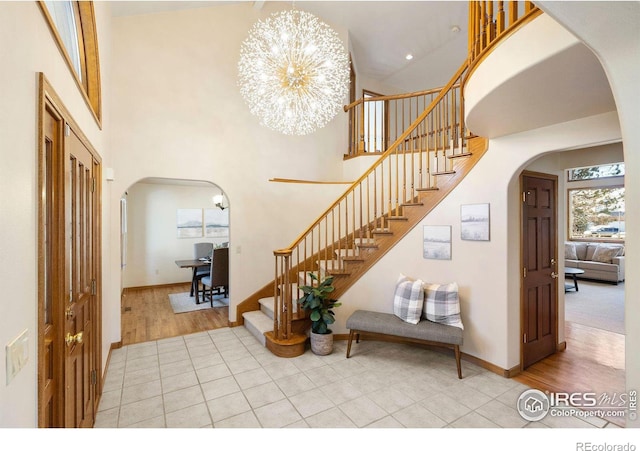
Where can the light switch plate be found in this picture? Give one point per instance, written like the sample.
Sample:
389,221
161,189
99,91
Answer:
17,353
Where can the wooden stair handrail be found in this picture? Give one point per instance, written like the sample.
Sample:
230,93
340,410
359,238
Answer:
378,162
391,97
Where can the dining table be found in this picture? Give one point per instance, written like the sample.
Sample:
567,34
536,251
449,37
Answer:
194,264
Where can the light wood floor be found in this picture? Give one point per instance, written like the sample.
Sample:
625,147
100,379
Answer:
592,362
147,315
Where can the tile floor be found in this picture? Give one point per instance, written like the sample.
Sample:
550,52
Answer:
224,378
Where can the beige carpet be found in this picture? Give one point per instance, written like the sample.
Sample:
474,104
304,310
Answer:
598,305
182,302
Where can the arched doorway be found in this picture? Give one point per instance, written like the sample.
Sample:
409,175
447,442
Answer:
161,222
590,355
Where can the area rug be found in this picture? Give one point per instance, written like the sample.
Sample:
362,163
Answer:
598,305
182,302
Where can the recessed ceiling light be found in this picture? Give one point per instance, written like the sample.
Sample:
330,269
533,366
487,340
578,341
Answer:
455,29
409,57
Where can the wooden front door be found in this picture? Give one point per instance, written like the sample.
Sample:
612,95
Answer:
539,272
69,358
80,204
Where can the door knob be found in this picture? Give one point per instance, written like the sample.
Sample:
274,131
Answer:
554,275
71,339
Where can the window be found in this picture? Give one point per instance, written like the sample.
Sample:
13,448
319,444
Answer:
374,123
596,202
73,26
65,19
596,172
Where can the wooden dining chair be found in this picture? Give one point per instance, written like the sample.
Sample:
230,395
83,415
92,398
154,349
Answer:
200,250
217,282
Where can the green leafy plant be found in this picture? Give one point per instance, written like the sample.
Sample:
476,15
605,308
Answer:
317,300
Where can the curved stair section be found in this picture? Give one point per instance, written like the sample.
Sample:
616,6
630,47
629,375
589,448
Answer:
425,163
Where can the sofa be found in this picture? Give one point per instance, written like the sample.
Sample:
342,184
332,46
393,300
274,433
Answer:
600,261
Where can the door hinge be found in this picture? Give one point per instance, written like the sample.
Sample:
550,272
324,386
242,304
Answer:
524,272
94,377
67,130
93,184
524,196
524,339
93,287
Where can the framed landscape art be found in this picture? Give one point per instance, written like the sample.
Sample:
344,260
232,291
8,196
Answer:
474,222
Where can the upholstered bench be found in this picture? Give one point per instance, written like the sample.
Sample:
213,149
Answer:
364,321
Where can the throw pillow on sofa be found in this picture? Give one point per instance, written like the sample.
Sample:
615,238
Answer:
570,251
442,304
605,254
408,299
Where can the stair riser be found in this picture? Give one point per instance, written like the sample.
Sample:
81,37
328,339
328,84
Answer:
255,332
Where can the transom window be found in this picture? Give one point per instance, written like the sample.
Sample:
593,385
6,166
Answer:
73,26
596,172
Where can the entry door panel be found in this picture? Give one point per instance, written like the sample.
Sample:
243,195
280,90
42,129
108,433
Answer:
540,269
79,214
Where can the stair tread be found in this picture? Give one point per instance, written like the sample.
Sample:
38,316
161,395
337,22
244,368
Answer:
443,173
259,320
348,252
460,155
397,218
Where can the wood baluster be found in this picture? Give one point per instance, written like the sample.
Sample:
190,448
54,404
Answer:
513,12
528,7
361,145
375,200
492,31
368,200
500,19
277,290
339,217
405,151
452,126
353,213
483,25
471,33
420,152
374,124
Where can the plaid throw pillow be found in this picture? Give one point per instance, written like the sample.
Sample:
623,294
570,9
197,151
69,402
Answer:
442,305
408,299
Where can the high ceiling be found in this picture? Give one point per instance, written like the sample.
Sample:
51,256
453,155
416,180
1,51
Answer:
382,33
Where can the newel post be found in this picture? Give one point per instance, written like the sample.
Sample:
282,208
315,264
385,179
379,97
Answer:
282,302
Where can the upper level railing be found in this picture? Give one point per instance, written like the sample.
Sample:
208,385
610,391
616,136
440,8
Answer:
490,20
376,121
411,164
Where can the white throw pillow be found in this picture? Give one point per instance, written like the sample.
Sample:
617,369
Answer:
408,299
442,304
605,254
570,251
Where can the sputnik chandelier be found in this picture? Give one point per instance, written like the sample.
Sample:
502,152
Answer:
293,72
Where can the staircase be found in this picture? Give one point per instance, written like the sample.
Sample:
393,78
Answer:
417,171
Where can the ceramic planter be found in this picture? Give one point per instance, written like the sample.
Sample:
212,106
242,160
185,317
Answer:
321,344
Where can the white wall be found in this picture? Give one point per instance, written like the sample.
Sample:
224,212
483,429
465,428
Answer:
26,48
178,113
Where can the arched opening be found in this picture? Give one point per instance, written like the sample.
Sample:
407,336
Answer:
162,222
591,334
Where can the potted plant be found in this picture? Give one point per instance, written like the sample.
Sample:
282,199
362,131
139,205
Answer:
317,301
